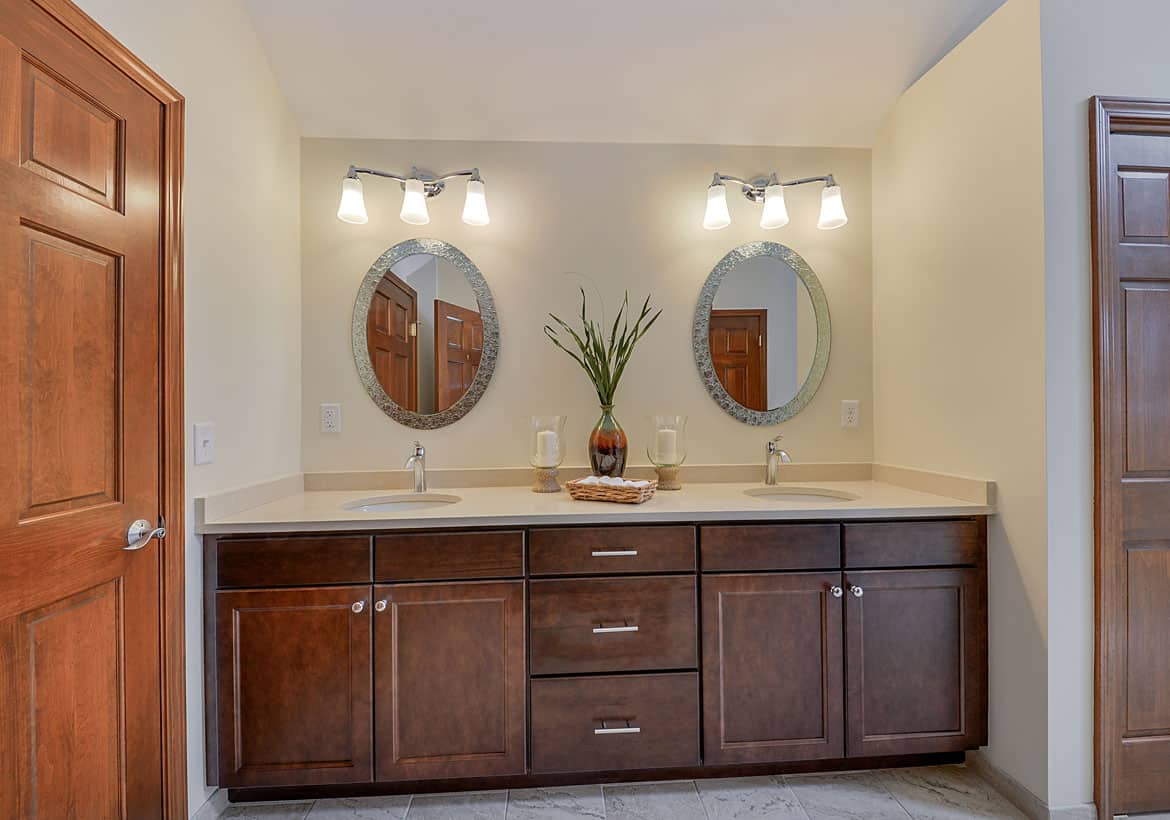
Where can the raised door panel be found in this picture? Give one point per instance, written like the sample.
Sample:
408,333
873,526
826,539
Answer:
294,686
1147,376
916,669
449,680
772,661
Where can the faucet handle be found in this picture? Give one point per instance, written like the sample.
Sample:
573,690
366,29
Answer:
772,448
419,450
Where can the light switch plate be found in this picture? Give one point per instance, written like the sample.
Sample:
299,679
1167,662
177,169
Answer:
850,413
204,442
330,418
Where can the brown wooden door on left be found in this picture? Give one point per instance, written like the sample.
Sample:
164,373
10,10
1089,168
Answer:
458,351
739,354
81,262
293,670
449,680
392,334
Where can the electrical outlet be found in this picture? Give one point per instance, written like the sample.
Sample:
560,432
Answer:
850,413
204,442
330,418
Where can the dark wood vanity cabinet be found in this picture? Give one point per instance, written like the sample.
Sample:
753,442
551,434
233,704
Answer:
507,656
449,680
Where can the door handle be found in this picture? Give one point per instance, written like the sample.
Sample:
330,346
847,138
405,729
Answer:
141,533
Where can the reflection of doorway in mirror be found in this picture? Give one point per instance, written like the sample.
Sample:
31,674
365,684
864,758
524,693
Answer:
739,353
391,336
458,350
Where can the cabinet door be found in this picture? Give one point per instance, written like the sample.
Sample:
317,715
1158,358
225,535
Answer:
772,681
293,669
916,667
449,680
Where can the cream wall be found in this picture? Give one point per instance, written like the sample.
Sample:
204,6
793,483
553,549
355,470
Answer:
959,332
1089,47
242,264
628,216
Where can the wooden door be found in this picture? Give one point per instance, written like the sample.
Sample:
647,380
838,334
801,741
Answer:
1131,228
85,327
916,661
772,684
392,336
293,671
739,353
449,680
458,350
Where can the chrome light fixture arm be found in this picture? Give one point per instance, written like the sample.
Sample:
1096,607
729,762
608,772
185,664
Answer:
433,185
753,189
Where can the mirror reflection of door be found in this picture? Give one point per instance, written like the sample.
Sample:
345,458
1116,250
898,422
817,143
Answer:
424,333
763,333
458,350
392,334
739,351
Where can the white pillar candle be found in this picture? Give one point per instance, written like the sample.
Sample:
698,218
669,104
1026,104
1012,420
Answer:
546,447
668,446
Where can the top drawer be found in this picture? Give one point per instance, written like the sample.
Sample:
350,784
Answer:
738,548
611,550
913,543
445,556
280,561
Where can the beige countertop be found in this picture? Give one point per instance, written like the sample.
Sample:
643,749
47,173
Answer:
514,506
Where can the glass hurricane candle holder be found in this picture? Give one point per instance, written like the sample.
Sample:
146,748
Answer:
667,449
546,451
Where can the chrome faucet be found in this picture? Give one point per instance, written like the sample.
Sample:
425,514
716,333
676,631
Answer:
418,462
776,457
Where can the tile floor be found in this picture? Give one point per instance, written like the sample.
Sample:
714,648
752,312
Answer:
935,793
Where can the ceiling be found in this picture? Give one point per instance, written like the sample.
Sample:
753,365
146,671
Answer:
736,72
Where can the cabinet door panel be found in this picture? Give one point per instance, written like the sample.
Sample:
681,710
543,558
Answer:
772,680
916,668
449,680
294,686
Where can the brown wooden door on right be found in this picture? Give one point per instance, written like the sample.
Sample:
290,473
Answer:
916,661
458,351
739,354
772,681
449,680
80,385
392,338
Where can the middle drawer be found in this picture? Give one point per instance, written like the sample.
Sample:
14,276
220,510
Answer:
613,625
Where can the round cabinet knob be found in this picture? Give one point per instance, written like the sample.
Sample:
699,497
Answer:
380,606
358,606
837,591
857,591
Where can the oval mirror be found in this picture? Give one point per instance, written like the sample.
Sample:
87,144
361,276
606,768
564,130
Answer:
761,333
425,333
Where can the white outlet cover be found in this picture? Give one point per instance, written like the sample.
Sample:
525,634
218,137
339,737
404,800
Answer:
850,413
330,418
204,443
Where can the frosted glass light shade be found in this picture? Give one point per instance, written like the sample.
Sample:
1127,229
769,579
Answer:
475,210
775,213
832,209
352,208
717,216
414,204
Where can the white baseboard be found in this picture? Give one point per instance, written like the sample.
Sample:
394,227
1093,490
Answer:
1023,798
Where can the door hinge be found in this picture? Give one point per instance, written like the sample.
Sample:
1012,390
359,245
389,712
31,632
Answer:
414,328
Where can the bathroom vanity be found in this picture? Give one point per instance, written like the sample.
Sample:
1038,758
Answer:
366,654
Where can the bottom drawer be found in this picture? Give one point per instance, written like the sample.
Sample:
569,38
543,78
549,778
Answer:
615,722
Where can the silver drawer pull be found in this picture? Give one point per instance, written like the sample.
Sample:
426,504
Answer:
628,729
613,553
606,630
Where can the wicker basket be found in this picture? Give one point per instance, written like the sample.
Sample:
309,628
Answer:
616,495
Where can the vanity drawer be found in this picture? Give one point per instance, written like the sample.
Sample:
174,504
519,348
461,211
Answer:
445,556
612,625
264,561
611,550
739,548
609,723
913,544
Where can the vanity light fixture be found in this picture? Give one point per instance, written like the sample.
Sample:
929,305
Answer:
417,188
770,191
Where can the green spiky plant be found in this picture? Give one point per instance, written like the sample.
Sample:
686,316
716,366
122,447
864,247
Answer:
604,362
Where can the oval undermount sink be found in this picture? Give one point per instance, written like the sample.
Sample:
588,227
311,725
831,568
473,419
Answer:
800,494
400,502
